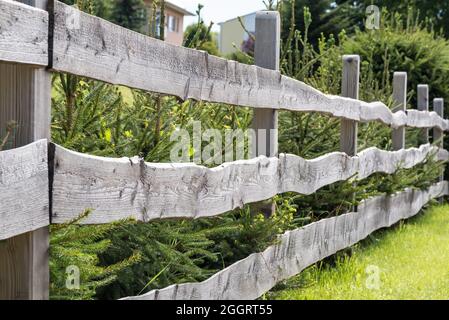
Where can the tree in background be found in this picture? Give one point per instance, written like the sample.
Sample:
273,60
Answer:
195,34
130,14
99,8
333,16
403,44
199,36
327,17
434,12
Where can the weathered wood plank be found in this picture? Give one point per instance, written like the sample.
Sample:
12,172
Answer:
267,55
120,188
25,98
23,34
350,89
251,277
101,50
425,119
438,134
307,176
128,187
374,160
265,121
423,106
23,189
400,104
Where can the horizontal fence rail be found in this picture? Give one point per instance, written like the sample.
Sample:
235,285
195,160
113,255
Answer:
23,34
89,46
425,119
116,189
24,204
253,276
129,187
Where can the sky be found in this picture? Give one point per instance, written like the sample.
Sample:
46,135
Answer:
218,10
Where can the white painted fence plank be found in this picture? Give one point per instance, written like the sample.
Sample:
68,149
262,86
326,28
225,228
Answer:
130,188
251,277
23,189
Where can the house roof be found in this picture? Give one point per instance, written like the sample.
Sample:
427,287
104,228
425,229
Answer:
242,16
178,9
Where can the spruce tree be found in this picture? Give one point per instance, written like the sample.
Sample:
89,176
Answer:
326,18
131,14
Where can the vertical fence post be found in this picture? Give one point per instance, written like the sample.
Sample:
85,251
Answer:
438,134
267,55
423,105
25,98
350,89
265,121
400,104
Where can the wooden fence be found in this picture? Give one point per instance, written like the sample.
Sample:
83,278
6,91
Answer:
43,183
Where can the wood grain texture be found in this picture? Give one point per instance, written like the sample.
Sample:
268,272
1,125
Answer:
423,106
23,34
101,50
400,104
258,273
350,89
128,187
425,119
23,189
265,121
25,98
267,55
374,160
438,134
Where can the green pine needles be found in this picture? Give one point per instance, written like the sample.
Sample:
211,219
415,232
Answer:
75,269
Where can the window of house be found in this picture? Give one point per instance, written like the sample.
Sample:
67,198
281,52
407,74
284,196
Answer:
157,32
173,24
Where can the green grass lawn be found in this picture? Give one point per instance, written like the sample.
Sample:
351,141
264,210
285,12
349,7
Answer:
410,261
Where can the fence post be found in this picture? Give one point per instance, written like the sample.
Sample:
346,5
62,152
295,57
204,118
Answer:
400,104
265,121
350,89
423,105
25,98
438,134
267,55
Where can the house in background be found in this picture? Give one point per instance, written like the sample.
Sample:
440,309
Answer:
174,21
231,31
